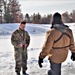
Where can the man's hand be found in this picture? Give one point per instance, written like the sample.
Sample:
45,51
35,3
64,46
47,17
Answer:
40,61
25,45
73,56
21,45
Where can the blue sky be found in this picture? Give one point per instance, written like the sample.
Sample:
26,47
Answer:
46,6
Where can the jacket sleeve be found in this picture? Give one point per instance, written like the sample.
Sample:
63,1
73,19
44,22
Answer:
14,42
72,45
28,39
47,45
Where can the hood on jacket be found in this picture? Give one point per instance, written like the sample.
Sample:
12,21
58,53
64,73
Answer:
63,28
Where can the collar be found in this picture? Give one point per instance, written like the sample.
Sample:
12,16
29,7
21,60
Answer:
21,29
62,27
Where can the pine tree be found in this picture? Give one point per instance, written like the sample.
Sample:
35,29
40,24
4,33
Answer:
27,18
1,4
15,11
7,16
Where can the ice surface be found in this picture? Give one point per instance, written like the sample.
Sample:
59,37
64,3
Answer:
37,34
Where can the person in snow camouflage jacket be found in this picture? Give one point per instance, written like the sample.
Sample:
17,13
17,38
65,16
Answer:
20,39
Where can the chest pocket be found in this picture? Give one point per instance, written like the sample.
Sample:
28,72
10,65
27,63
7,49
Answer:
59,39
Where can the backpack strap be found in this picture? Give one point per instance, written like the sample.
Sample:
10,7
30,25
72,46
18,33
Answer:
61,37
58,38
67,35
60,47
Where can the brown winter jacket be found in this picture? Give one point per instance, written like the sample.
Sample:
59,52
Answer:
57,55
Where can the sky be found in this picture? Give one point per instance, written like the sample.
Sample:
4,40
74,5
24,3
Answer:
45,7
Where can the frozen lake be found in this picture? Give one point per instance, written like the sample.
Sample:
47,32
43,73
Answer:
37,34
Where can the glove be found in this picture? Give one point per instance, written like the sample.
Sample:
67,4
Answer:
73,56
40,61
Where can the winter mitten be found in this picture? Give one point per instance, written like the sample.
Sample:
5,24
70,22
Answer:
73,56
40,61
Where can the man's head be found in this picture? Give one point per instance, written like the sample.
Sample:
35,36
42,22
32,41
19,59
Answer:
57,19
22,24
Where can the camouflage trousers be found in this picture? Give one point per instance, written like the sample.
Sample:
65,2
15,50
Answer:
20,60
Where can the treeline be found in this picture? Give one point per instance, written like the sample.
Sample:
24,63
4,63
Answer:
10,12
46,19
37,18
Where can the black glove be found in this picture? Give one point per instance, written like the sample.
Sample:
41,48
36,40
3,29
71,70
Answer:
73,56
40,61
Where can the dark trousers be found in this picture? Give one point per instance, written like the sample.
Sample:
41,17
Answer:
55,69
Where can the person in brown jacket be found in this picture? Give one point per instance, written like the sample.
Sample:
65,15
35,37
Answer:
59,40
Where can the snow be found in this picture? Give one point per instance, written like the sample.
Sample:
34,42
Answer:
37,34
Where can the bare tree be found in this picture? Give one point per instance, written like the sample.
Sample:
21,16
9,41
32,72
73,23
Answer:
73,15
66,18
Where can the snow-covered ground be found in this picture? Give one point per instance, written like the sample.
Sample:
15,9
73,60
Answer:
37,34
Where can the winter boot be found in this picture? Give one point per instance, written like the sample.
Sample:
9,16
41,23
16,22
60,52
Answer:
24,73
18,73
